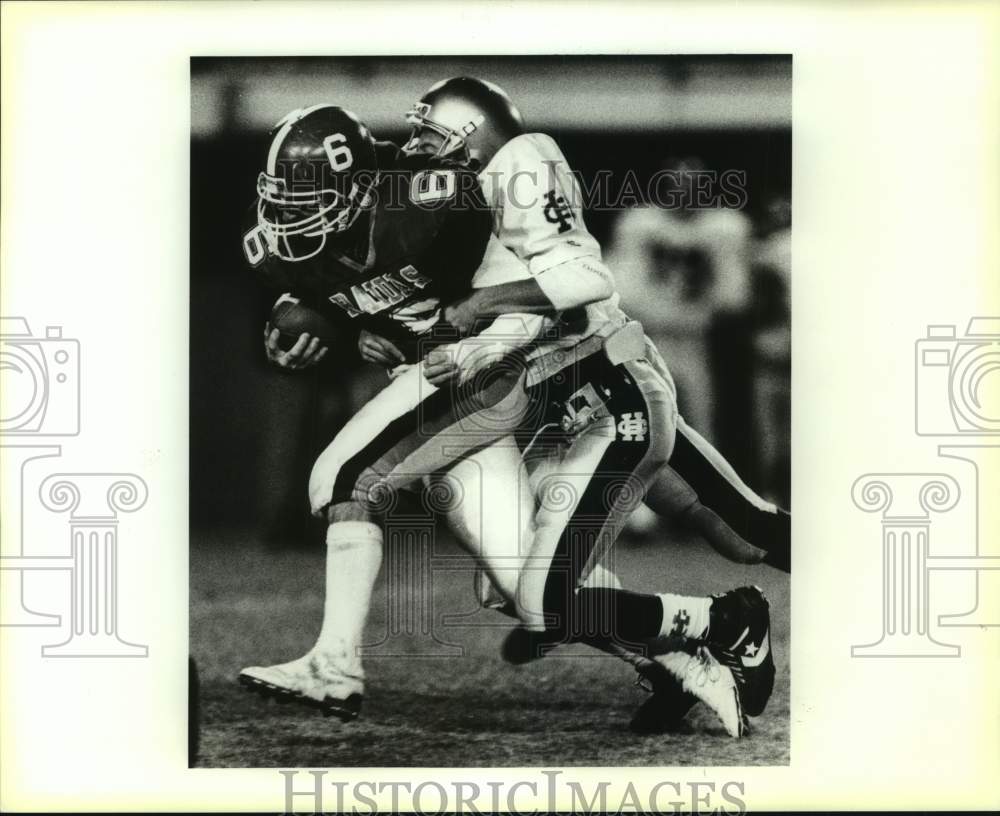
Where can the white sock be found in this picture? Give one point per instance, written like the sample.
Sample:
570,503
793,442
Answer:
684,615
353,559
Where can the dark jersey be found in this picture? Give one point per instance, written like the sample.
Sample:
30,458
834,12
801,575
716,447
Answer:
415,249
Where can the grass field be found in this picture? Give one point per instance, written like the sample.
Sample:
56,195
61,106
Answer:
251,606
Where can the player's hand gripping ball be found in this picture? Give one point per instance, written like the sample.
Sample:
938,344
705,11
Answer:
297,336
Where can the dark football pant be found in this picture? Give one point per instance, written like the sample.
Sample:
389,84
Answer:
587,485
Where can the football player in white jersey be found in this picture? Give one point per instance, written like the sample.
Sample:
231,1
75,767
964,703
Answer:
622,419
528,177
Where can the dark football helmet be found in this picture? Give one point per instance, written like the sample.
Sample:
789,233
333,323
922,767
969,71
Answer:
321,172
466,119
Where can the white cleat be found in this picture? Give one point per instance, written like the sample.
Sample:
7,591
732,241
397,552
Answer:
311,680
707,679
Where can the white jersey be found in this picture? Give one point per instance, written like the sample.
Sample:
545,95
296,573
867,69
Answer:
537,227
678,271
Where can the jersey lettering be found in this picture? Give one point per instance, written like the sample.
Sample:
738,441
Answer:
341,300
410,274
429,186
381,292
557,212
254,247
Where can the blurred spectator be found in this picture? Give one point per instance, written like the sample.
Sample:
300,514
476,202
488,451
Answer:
678,270
684,271
773,246
772,286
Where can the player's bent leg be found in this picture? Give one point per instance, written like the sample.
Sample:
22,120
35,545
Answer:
672,497
391,406
357,489
583,505
717,665
687,669
491,515
700,488
360,492
591,474
451,431
442,429
696,657
560,483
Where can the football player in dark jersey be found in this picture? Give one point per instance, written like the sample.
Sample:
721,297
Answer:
381,445
385,240
355,228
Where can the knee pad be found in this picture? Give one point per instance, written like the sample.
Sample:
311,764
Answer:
373,492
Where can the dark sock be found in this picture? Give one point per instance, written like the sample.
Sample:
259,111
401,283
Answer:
617,615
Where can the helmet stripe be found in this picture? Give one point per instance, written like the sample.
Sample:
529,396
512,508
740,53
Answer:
282,134
279,138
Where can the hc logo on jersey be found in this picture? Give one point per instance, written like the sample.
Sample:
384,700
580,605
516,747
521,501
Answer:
557,212
633,427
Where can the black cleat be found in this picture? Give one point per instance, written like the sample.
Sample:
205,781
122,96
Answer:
523,645
664,711
344,710
739,636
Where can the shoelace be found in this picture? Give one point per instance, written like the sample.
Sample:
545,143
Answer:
705,667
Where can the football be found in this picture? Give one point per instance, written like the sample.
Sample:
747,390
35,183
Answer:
293,318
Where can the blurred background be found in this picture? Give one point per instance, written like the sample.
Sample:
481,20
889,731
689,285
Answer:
712,286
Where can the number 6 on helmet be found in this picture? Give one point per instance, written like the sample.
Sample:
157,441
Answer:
320,174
